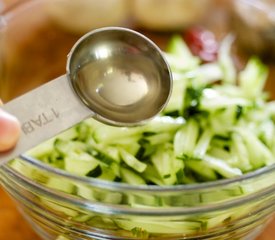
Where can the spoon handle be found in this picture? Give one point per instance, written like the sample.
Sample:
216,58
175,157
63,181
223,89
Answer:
43,113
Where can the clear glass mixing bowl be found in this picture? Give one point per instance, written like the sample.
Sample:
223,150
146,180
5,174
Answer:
33,48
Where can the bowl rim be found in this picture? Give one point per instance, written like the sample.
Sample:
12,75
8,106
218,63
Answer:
105,184
118,209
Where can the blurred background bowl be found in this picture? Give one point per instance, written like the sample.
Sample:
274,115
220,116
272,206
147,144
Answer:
253,22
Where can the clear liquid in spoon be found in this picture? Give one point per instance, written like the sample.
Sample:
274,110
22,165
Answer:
121,87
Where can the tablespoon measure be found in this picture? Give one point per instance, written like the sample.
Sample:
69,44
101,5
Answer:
115,75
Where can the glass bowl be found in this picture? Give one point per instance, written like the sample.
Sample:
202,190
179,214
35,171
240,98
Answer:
84,208
34,45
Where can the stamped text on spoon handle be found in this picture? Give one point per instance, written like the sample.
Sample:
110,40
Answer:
42,119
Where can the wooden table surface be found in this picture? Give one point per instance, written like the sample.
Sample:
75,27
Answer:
14,227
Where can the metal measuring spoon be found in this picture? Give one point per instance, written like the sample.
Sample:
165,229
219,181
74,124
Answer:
115,75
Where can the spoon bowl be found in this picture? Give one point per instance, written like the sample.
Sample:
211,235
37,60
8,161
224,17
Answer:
120,75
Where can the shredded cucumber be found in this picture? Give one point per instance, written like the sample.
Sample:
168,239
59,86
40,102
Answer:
217,124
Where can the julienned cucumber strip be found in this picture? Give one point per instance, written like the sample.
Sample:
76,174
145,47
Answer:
252,79
172,227
131,161
226,62
217,124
